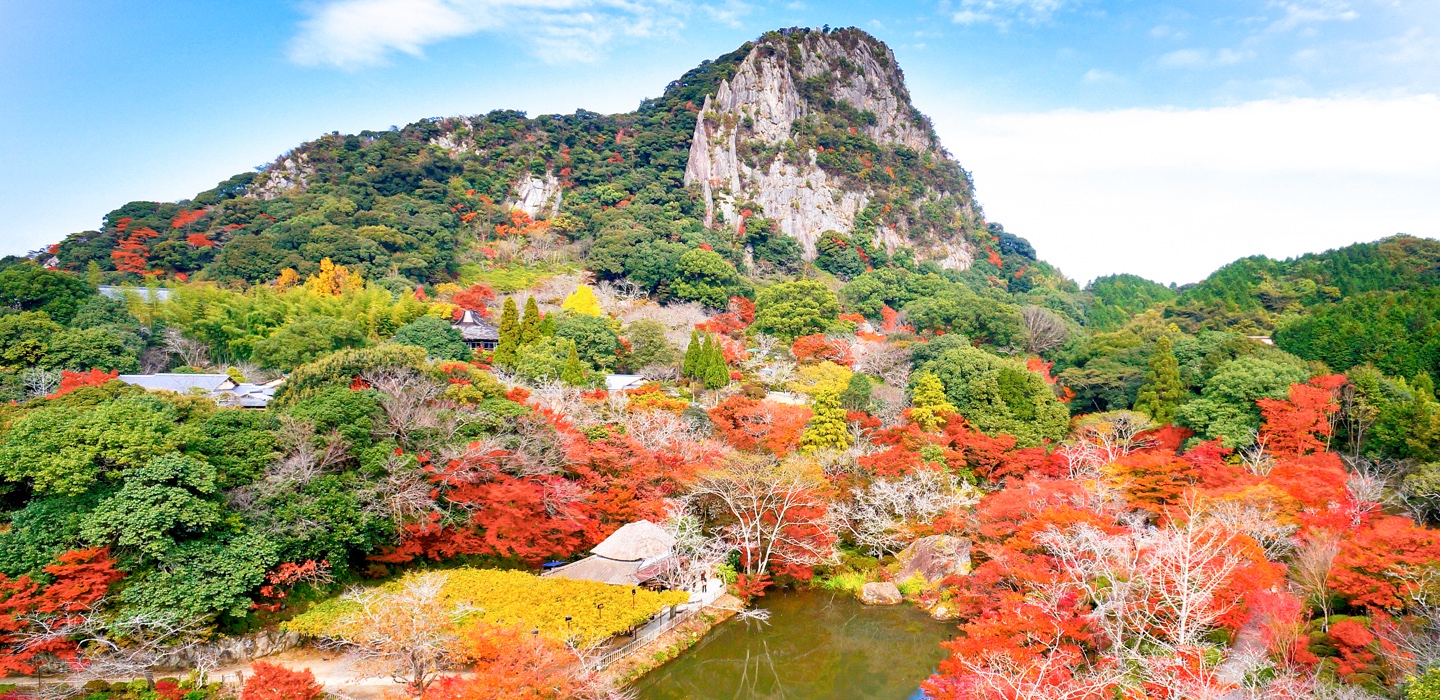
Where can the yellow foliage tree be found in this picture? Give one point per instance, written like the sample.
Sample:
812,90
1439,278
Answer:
288,278
930,405
333,280
824,376
583,301
826,429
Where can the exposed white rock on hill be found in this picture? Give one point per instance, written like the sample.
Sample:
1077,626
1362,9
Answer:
762,103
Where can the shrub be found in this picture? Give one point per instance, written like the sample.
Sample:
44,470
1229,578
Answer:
510,598
271,682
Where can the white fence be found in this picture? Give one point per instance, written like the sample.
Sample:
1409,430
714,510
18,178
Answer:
667,620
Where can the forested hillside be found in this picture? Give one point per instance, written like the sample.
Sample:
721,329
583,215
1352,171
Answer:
1256,458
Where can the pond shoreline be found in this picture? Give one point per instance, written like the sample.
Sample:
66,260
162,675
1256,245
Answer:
817,644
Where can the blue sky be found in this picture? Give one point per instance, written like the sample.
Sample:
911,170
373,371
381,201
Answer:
1162,138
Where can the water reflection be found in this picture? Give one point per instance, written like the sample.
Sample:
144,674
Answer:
816,645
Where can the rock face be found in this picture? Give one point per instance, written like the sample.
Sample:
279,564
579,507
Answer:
934,558
881,593
538,197
290,174
745,148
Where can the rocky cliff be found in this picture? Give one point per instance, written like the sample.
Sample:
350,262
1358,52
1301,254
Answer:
811,132
816,130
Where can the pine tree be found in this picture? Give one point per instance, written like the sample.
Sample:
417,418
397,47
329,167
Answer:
1162,392
530,323
547,326
509,344
929,405
826,429
717,374
692,356
573,372
856,396
702,362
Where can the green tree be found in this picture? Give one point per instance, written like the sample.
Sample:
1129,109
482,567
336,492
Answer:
29,287
1000,396
692,356
929,405
25,338
649,345
1163,391
1407,421
573,372
1226,409
530,322
594,337
307,339
45,528
205,578
338,409
704,358
856,396
792,309
64,449
544,359
706,277
342,368
1426,687
717,373
90,348
509,335
826,429
168,499
440,339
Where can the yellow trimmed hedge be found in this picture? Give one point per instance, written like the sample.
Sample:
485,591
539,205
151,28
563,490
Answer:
510,598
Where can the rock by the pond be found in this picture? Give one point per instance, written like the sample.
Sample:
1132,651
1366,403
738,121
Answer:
944,613
881,593
934,558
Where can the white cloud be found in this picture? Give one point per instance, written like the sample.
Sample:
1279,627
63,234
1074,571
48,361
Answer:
1174,194
1003,12
355,33
1299,13
1095,75
1204,58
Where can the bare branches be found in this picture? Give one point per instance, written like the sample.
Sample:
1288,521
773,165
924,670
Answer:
1044,330
411,416
191,353
408,636
774,511
39,382
1311,565
881,515
1117,433
889,362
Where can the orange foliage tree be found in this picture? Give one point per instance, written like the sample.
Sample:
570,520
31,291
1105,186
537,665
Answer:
473,298
818,348
271,682
749,424
1376,568
36,621
130,253
70,381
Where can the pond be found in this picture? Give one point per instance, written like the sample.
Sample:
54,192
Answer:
816,645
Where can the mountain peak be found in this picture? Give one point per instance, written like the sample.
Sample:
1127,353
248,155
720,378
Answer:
816,130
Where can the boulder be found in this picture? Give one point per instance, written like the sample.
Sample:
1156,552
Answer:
881,593
933,558
944,613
